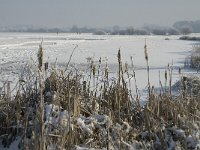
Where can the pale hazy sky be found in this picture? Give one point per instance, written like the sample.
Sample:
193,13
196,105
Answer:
97,13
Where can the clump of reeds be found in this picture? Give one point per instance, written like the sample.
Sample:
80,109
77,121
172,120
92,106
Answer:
193,61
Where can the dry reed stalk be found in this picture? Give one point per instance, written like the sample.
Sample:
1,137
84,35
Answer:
170,69
136,88
41,107
118,92
76,46
147,63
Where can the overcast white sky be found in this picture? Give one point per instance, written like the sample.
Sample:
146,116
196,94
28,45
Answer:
97,13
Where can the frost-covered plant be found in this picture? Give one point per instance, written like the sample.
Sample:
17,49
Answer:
74,112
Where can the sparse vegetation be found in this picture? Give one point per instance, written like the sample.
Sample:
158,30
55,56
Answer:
193,61
189,38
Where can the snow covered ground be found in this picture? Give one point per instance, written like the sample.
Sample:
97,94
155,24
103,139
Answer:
16,49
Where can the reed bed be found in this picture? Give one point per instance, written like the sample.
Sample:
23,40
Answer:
193,61
62,109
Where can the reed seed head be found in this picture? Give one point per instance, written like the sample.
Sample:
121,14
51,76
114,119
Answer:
165,75
40,57
106,71
145,51
94,69
126,67
179,70
46,65
119,56
100,60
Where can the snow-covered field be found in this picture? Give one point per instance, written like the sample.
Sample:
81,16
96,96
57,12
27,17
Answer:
16,49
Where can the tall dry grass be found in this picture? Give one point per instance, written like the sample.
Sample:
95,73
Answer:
63,110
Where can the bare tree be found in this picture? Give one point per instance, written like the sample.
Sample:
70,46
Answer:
185,30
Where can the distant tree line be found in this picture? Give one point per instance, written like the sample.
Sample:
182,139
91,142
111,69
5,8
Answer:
147,30
97,31
33,30
186,27
180,27
75,29
128,31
